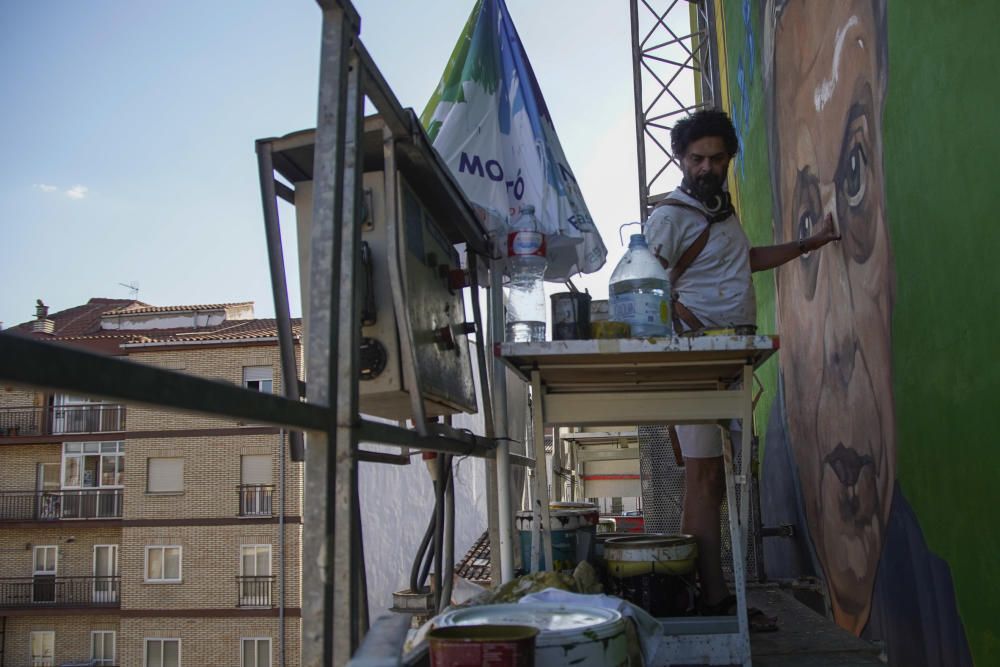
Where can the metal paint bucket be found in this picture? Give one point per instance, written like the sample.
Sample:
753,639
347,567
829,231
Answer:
568,634
570,316
474,645
653,571
572,537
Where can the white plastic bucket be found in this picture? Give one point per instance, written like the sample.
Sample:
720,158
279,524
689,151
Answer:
568,634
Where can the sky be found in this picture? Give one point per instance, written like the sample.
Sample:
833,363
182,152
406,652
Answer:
130,130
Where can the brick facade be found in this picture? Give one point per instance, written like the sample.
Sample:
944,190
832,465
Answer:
207,610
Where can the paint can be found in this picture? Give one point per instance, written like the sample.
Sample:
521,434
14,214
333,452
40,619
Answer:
605,526
574,635
655,572
570,316
574,532
475,645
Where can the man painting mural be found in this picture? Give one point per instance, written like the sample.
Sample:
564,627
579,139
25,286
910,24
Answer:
832,453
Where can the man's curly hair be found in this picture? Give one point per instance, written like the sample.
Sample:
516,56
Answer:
707,123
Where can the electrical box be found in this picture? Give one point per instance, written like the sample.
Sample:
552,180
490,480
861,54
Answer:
436,311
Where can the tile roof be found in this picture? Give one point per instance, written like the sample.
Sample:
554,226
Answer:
81,320
141,308
83,323
227,331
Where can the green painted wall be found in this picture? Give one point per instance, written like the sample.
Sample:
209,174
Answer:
941,142
941,139
751,171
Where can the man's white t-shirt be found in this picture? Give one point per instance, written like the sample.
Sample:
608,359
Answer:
716,287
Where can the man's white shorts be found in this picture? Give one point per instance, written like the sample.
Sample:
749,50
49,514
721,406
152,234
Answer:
704,441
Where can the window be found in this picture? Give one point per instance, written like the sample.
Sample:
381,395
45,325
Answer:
92,465
105,573
258,378
163,564
43,648
43,581
102,647
45,560
256,652
255,575
163,653
165,475
79,414
256,489
255,469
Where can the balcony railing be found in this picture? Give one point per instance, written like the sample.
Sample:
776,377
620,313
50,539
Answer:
254,591
255,499
57,505
62,419
50,591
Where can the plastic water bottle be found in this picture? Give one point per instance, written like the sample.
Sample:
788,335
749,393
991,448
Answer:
526,264
639,291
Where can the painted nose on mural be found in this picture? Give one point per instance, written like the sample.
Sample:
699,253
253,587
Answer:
840,341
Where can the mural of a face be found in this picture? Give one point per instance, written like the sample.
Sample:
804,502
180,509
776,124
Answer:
834,305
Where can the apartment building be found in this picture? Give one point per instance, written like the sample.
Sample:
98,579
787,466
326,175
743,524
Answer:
141,537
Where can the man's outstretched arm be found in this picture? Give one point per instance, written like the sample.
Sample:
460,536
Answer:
767,257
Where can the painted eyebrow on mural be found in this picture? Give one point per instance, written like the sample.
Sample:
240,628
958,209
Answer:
825,90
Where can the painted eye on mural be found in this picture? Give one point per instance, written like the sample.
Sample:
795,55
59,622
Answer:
807,212
853,185
856,192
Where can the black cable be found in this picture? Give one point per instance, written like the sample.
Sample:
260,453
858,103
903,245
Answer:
416,584
425,568
449,555
439,528
428,556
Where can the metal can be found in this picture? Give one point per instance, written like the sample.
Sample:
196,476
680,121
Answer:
570,316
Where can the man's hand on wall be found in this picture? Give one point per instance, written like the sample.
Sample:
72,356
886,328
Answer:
825,233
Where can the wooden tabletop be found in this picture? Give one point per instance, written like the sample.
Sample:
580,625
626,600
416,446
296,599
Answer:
639,364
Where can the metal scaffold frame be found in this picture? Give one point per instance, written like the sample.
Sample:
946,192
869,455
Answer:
667,64
334,611
334,614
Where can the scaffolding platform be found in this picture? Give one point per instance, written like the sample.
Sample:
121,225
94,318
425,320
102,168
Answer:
804,638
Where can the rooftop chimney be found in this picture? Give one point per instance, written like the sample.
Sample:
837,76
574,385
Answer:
42,323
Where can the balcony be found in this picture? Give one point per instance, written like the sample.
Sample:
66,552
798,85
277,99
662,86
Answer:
62,419
59,505
56,592
255,499
254,591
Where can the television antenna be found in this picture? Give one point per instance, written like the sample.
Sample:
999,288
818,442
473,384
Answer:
133,290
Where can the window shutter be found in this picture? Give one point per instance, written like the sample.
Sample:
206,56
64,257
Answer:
165,474
255,469
256,373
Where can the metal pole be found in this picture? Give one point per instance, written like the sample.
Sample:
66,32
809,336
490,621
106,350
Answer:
504,517
279,288
490,466
540,501
350,601
640,114
281,548
557,466
323,640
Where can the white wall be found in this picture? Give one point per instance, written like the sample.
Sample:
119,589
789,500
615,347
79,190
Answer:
396,504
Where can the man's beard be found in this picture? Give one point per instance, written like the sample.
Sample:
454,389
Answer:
705,188
708,189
